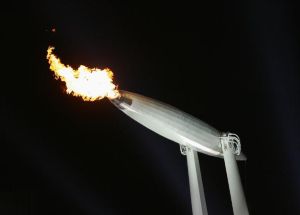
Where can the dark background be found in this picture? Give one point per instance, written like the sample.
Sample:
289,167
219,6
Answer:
233,64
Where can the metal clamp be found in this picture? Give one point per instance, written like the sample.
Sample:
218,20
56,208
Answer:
183,149
230,141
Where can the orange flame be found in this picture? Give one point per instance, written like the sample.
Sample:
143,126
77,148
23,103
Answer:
90,84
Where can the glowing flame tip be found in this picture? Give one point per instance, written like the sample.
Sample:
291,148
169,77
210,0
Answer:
90,84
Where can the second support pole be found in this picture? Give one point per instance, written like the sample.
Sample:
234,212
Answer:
235,185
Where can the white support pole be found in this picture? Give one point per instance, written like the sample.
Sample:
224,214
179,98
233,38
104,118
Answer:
231,146
195,180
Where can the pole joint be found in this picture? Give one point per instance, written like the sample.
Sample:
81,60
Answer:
230,141
183,149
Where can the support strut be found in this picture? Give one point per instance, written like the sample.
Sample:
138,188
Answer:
195,181
231,146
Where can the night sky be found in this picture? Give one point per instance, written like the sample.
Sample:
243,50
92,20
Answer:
232,64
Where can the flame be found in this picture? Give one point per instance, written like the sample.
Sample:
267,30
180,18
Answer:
90,84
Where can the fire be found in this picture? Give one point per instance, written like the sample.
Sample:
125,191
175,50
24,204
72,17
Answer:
90,84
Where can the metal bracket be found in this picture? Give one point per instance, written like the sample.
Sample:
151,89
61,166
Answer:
183,149
230,141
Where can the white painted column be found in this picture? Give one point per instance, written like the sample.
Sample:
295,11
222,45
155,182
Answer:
196,185
238,200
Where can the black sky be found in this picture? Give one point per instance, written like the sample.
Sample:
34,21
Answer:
233,64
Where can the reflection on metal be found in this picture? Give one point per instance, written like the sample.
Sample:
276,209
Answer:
171,123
